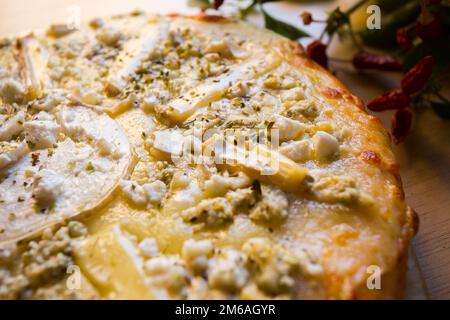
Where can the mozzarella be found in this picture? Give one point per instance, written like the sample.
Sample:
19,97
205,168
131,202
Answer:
149,248
41,133
227,271
297,150
155,191
46,187
196,254
288,129
12,126
12,91
325,145
134,192
169,141
12,153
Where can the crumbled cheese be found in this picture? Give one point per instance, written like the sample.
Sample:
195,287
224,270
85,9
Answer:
272,208
294,94
218,46
12,152
227,271
241,198
44,116
169,141
305,110
149,103
134,192
238,89
276,266
297,150
155,191
180,181
149,248
46,187
288,129
51,100
166,272
107,148
109,36
335,189
325,145
218,184
12,126
91,97
12,91
41,133
212,213
278,82
77,229
38,268
196,254
69,123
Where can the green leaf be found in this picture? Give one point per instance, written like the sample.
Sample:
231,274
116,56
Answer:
282,28
442,109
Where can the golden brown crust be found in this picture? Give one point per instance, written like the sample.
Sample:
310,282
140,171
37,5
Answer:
376,152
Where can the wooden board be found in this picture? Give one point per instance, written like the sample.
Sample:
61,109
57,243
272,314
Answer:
424,158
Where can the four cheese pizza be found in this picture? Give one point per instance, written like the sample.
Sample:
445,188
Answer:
175,157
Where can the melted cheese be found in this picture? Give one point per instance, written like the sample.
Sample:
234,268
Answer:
302,219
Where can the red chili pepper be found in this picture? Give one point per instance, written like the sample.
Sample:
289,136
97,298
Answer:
218,4
392,100
366,60
317,51
403,39
431,30
416,78
401,124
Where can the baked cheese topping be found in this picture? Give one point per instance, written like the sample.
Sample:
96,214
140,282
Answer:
174,157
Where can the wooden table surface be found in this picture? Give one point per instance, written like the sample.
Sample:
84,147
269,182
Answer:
424,157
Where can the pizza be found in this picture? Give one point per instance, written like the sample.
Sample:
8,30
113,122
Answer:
190,157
